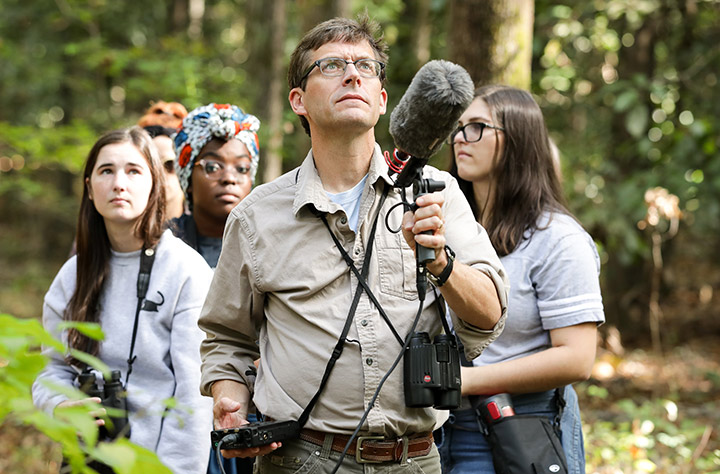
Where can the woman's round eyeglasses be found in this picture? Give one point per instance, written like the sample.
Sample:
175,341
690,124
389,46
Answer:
214,170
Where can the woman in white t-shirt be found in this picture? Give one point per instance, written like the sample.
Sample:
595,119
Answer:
503,159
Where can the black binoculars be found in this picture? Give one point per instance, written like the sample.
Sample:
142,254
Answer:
432,372
112,395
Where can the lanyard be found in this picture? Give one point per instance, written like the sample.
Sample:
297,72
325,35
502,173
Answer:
147,257
362,277
337,351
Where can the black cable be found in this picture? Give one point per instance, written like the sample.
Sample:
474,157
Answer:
377,390
219,456
362,278
406,207
421,297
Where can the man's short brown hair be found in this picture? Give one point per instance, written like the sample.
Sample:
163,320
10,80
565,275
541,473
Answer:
335,30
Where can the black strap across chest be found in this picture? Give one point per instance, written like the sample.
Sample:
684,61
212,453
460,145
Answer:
147,258
362,276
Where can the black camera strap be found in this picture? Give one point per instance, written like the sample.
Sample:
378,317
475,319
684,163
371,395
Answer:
147,257
440,306
362,278
339,346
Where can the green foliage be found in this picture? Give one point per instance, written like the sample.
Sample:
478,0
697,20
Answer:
624,86
628,83
20,362
66,146
652,436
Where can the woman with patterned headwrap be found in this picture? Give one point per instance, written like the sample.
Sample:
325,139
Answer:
217,153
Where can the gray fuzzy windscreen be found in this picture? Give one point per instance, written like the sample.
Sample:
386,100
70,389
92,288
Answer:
430,108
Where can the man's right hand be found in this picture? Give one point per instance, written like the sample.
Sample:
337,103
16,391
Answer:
230,404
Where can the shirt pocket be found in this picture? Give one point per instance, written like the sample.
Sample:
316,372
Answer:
397,267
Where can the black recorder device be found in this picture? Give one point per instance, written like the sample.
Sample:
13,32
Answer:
255,434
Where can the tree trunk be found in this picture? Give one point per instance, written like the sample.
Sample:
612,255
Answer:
196,12
622,278
493,40
314,12
342,8
179,15
421,33
276,98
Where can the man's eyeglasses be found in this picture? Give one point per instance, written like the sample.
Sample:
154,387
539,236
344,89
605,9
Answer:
214,170
472,132
335,67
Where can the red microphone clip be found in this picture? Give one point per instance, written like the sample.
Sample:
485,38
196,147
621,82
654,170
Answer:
397,162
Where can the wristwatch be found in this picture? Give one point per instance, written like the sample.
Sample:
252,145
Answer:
440,280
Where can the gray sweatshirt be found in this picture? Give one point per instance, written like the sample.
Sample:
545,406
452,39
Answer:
167,349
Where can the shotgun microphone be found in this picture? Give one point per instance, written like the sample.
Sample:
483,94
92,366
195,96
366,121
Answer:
426,115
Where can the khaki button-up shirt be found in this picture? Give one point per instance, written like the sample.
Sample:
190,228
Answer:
281,291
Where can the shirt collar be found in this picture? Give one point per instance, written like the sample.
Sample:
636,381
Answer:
309,189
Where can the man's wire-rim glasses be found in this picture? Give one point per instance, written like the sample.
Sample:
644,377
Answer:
335,67
472,132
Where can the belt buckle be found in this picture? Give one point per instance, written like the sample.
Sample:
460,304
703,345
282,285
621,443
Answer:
358,449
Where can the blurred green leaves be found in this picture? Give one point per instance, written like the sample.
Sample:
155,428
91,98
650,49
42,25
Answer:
21,361
651,436
612,78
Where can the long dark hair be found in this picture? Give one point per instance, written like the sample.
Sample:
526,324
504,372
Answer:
525,179
93,244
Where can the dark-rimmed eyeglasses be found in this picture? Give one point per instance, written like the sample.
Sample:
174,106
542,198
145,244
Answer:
214,170
335,67
472,132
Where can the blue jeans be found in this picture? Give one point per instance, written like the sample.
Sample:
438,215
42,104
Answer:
464,450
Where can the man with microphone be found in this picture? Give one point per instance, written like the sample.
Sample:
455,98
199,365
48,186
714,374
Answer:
311,262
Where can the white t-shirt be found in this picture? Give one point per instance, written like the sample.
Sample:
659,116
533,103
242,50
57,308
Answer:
350,202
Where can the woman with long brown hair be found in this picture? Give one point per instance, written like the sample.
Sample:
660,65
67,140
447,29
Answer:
503,159
151,339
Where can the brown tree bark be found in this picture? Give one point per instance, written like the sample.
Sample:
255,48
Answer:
342,8
421,32
313,12
179,15
621,278
492,39
276,97
196,12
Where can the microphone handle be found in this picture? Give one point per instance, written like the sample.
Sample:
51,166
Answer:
425,255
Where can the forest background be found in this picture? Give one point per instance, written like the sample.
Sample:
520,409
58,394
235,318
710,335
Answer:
629,89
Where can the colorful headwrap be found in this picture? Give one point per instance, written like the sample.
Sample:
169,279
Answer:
224,121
